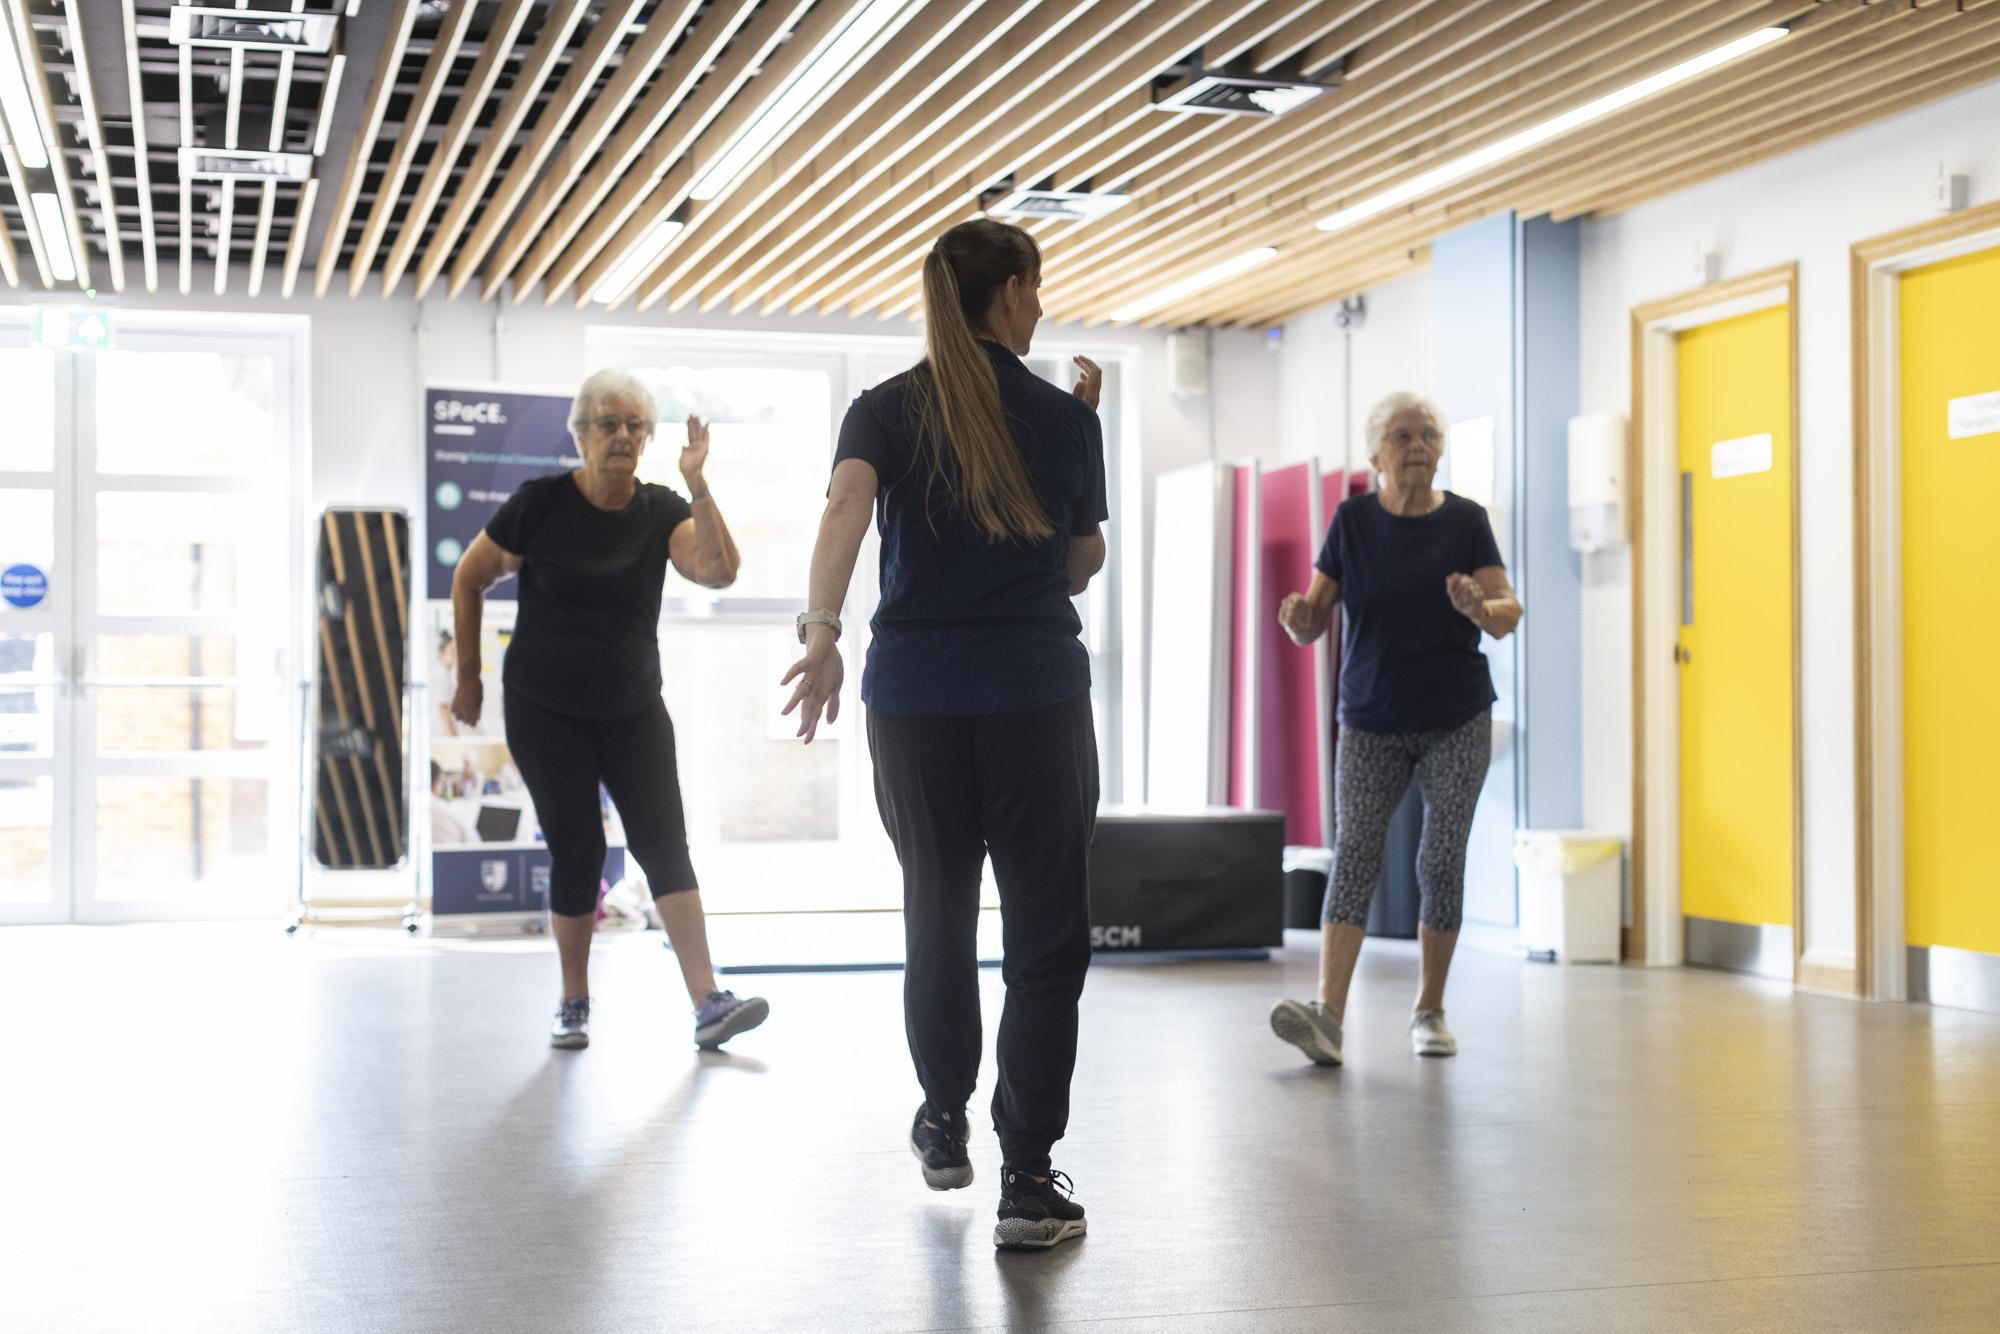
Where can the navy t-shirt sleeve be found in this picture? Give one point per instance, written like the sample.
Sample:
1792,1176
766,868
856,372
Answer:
1485,551
1092,507
1328,563
862,437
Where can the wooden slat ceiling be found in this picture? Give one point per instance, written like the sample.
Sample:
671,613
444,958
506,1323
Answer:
520,149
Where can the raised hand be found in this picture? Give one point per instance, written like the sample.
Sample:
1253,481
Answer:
1089,381
694,457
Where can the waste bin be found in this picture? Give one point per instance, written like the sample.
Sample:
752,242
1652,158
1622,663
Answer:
1572,890
1306,870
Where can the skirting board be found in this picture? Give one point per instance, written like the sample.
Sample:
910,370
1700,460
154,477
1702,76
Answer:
1765,951
1962,979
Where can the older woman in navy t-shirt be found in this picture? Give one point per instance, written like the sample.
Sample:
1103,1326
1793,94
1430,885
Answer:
1419,576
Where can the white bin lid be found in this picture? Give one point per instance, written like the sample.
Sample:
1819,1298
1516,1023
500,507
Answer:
1563,851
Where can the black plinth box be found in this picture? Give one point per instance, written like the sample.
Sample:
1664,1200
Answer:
1187,880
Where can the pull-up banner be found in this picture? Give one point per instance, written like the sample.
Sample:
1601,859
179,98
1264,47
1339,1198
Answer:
487,853
479,445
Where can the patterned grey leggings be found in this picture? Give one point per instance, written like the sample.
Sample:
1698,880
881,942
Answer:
1371,771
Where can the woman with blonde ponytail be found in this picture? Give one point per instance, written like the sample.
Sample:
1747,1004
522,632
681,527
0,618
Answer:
987,485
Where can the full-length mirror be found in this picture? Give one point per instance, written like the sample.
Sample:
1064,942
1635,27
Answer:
360,765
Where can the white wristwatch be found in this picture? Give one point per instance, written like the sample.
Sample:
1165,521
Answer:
807,618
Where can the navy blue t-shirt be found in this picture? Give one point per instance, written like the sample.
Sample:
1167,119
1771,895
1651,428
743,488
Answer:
966,626
1409,661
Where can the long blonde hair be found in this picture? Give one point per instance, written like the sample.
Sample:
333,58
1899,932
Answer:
954,394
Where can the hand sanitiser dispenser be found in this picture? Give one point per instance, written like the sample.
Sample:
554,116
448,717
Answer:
1597,482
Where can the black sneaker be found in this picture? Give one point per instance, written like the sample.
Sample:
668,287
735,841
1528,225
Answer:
1035,1215
940,1147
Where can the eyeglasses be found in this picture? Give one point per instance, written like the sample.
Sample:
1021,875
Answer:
638,426
1404,438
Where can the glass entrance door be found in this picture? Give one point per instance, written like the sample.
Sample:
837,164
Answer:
147,721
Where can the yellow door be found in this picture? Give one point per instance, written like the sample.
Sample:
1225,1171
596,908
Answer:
1736,619
1950,324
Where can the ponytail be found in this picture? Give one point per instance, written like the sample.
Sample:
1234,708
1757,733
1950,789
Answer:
954,394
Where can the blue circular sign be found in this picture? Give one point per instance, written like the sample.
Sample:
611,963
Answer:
23,585
449,496
448,551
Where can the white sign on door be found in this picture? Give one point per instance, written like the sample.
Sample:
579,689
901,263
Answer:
1741,456
1975,414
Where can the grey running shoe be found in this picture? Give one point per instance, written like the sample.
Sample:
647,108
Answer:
722,1016
940,1147
1429,1036
572,1025
1310,1027
1036,1214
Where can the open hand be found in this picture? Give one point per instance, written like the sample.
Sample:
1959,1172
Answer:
1468,597
819,675
1089,381
694,457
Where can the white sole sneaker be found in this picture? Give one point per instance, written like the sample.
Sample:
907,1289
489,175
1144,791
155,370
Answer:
1293,1022
1035,1234
1429,1036
742,1019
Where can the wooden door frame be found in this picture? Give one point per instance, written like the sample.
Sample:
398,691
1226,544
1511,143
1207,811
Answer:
1655,936
1875,266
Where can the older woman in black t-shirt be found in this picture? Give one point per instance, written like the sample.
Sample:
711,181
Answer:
1419,576
582,677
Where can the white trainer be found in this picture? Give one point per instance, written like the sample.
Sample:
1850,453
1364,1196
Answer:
1429,1036
1310,1027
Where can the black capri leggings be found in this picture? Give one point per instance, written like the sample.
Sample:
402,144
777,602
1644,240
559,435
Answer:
562,759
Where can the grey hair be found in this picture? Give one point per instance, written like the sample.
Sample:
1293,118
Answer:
609,383
1401,401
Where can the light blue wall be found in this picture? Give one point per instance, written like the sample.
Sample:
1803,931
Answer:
1505,313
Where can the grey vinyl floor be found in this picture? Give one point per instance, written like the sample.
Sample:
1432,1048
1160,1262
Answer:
215,1128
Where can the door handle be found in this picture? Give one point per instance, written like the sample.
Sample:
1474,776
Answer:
1682,655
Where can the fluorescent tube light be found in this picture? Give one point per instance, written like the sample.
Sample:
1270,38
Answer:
1548,129
637,260
805,86
236,164
14,100
55,237
1206,278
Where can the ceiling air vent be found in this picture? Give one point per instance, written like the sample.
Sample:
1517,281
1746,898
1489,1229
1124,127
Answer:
250,30
1236,95
1058,205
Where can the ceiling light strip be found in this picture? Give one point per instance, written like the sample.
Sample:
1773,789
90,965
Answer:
1206,278
22,127
55,237
798,96
634,265
1548,129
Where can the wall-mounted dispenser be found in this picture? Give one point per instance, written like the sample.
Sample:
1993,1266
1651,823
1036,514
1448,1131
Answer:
1597,482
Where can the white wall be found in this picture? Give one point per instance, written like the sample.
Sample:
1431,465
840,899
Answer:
1809,207
1317,416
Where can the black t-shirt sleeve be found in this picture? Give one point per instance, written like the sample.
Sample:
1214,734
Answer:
862,437
522,513
1485,551
672,509
1328,563
1092,507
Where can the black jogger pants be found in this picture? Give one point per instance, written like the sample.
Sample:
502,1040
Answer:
1023,788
